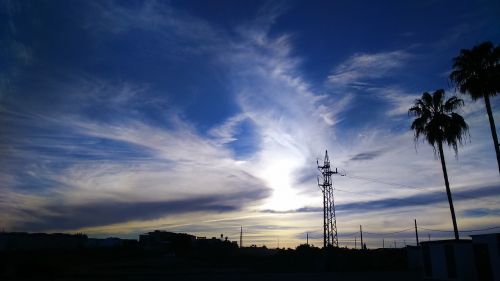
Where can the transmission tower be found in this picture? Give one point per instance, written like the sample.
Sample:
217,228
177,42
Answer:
330,237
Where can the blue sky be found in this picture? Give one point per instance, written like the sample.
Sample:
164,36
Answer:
118,117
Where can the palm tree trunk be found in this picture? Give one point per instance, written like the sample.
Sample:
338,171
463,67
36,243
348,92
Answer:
493,128
448,192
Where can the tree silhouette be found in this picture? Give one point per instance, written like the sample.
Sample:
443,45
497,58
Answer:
437,122
477,72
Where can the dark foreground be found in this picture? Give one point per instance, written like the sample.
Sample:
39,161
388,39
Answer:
136,264
337,276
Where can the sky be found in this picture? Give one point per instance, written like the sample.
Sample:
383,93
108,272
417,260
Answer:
121,117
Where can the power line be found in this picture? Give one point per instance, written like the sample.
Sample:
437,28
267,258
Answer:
349,234
386,183
408,229
471,230
388,233
400,199
412,187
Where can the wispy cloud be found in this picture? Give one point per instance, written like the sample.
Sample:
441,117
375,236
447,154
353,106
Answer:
116,17
398,99
225,133
163,171
287,115
361,68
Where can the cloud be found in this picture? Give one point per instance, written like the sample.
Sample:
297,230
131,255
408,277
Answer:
299,210
481,212
361,68
176,30
101,213
290,120
399,100
420,199
369,155
97,144
95,170
225,133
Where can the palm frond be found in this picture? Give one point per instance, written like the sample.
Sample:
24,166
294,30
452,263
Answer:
476,71
453,104
437,121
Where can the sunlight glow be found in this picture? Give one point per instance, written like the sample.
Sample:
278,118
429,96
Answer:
278,173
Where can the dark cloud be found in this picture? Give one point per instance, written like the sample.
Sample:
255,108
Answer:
299,210
369,155
428,198
103,213
481,212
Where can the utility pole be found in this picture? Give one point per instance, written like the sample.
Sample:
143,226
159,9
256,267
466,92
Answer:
355,242
307,238
330,237
361,232
241,237
416,231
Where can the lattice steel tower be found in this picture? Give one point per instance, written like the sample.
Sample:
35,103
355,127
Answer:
329,221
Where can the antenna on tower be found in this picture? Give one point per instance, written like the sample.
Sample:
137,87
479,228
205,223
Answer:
330,237
241,237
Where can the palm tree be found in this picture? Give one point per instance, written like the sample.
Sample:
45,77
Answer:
437,122
477,72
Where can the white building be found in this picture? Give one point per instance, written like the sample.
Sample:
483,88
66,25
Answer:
449,260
